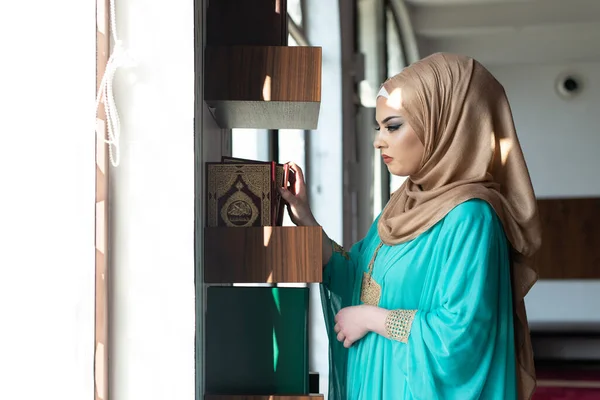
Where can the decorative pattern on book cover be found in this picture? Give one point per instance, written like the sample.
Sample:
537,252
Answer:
239,195
281,179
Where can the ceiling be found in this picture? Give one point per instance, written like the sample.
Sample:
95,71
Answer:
509,31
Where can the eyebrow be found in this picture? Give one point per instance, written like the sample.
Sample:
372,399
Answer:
388,118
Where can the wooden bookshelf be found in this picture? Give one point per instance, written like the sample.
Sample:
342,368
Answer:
263,87
253,80
263,255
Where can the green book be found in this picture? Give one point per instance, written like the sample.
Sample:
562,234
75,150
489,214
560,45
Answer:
257,341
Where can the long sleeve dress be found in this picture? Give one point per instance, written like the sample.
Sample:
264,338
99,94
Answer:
452,318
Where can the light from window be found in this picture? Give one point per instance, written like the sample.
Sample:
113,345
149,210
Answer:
252,144
294,9
292,148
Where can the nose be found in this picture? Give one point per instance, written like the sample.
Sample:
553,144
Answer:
378,142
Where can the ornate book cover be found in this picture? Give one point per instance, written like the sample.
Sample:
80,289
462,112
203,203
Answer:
239,195
283,177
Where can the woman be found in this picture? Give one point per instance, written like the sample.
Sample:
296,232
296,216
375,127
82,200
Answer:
429,305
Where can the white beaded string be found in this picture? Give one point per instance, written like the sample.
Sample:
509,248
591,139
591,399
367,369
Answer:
119,57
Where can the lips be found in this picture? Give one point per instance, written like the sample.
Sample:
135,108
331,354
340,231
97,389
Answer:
386,159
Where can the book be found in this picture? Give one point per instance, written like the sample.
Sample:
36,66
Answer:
281,176
239,195
277,175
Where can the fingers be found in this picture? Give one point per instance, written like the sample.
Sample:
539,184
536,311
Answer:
344,339
299,183
297,170
287,195
341,336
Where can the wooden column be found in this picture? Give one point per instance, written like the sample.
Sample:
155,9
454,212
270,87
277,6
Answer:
101,314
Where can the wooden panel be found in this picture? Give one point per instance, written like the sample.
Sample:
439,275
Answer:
263,73
263,255
266,397
264,87
244,22
571,239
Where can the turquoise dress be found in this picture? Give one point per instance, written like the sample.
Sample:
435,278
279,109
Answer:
456,275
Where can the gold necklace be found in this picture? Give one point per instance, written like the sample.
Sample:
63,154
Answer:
370,292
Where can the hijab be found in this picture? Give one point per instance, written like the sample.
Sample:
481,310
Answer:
462,116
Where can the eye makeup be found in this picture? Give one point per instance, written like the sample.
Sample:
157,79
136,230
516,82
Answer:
391,127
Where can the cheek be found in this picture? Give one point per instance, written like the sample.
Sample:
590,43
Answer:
408,152
407,146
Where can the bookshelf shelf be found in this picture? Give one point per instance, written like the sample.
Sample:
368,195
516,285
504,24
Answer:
263,255
263,87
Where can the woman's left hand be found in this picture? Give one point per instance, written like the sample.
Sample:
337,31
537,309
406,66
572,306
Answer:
352,323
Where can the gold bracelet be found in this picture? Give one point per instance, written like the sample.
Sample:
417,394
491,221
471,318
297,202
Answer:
398,324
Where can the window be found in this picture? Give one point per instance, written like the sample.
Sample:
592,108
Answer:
252,144
294,9
291,143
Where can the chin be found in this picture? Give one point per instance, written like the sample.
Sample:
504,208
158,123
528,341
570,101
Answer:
397,171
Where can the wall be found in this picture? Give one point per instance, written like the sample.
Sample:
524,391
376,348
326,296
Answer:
560,137
47,188
560,140
152,207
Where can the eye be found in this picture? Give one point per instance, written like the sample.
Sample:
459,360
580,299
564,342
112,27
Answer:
392,128
377,128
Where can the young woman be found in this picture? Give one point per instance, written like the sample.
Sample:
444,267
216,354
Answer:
429,305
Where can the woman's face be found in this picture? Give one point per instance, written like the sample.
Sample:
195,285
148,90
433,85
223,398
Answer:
401,149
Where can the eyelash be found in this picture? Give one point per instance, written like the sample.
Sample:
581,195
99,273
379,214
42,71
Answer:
390,128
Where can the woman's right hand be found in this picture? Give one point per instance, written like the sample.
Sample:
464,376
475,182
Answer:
297,202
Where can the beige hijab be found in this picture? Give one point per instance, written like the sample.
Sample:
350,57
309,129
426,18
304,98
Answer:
463,118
